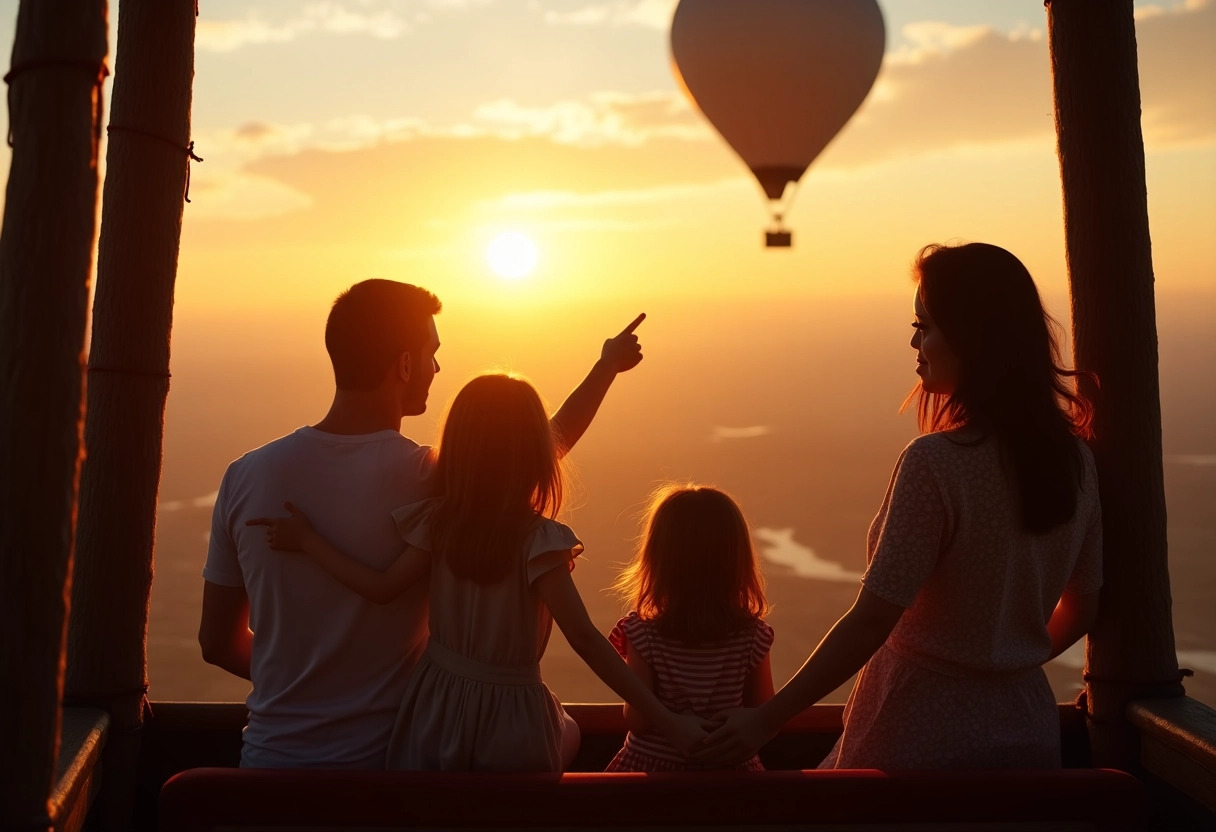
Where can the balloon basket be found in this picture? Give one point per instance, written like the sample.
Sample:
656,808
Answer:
778,239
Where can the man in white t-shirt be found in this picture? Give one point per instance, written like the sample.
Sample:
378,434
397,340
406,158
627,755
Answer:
328,667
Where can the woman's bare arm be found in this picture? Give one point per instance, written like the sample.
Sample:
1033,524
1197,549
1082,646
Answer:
1072,618
842,652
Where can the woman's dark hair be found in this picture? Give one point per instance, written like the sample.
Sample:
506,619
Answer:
1010,383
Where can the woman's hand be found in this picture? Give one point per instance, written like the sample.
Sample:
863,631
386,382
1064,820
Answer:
739,735
686,732
287,534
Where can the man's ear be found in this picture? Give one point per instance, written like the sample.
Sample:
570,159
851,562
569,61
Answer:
404,366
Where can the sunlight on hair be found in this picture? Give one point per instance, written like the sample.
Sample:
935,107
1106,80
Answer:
511,255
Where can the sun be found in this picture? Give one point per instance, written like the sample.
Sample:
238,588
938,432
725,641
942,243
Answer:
511,255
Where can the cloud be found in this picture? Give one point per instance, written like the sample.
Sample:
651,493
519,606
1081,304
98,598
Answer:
652,14
224,188
240,195
253,131
1154,10
719,433
458,5
257,138
1195,460
205,501
549,200
601,118
604,117
322,17
931,39
390,194
946,87
1178,75
942,89
613,226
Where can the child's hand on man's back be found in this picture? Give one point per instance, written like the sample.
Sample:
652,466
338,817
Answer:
286,534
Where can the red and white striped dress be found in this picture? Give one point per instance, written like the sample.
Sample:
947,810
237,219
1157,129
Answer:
700,680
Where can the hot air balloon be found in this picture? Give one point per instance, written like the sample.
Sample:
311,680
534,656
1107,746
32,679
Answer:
778,79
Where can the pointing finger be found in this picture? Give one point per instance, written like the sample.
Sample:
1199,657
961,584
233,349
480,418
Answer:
633,325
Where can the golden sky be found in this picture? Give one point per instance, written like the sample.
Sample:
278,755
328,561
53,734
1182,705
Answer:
396,138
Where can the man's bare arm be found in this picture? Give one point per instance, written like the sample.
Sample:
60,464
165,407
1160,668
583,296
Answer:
619,354
223,632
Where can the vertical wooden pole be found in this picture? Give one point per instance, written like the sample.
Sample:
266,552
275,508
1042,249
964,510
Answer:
147,166
46,253
1097,102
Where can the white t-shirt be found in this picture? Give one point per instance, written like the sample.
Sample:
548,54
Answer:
329,667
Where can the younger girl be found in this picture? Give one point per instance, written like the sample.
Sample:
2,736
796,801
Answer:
499,576
696,636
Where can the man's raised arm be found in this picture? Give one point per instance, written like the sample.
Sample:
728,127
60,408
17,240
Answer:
620,353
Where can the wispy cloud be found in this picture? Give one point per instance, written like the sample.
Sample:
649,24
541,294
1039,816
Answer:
654,14
550,200
457,4
944,87
605,117
1193,460
720,433
224,188
932,39
1156,10
240,195
205,501
323,17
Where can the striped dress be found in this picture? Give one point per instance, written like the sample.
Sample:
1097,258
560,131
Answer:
700,680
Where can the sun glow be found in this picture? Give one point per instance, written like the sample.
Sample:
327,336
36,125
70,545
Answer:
511,255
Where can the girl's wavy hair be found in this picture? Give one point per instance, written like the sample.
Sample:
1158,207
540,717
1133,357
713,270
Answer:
694,572
1011,382
497,473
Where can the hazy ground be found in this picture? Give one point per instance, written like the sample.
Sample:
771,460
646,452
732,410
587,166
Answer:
790,407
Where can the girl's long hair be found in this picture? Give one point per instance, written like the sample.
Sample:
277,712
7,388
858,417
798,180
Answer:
497,472
694,572
1011,382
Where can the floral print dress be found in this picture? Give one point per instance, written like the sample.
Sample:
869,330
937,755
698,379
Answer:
959,682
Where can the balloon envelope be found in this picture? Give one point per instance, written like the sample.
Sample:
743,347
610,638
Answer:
777,78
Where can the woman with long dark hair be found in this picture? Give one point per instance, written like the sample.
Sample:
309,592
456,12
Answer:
984,560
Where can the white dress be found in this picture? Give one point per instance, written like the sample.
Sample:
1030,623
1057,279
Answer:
475,700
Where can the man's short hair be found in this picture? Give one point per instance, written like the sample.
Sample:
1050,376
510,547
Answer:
371,324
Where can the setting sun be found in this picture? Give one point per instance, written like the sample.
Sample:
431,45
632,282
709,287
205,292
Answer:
511,255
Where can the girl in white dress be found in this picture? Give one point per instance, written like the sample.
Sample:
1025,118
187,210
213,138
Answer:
499,569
